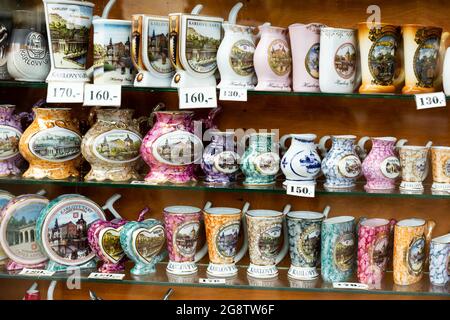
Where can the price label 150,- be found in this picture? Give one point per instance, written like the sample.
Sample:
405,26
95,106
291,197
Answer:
194,98
109,95
301,190
65,92
430,100
233,94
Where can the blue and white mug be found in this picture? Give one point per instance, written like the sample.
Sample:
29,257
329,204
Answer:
338,248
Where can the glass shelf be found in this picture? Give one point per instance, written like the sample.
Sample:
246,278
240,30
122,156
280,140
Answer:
242,281
43,85
277,188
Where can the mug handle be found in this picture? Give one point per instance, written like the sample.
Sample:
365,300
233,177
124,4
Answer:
326,211
283,142
244,247
197,9
321,145
204,250
401,143
285,248
360,147
109,204
428,233
427,162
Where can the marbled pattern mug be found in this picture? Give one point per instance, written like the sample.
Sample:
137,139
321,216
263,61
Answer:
440,159
338,248
440,260
411,237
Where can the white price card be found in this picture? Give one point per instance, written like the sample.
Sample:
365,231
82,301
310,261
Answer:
195,98
430,100
108,95
306,190
106,276
65,92
233,94
211,281
350,285
36,272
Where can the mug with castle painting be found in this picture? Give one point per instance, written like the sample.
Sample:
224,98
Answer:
381,57
150,51
68,28
193,43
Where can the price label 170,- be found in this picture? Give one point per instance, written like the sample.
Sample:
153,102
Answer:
109,95
200,97
65,92
430,100
233,94
301,190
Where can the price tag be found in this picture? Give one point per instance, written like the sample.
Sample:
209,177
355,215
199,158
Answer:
195,98
233,94
301,190
107,95
350,285
65,92
36,272
430,100
211,281
106,276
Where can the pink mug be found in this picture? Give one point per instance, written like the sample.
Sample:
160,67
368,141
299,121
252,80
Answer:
305,44
374,243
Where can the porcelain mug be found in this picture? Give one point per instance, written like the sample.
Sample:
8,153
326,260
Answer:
439,260
222,225
182,225
414,166
422,45
338,248
381,57
446,72
338,59
411,238
373,249
440,159
304,242
264,229
305,43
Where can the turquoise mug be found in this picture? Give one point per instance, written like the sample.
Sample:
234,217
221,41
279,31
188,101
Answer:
338,246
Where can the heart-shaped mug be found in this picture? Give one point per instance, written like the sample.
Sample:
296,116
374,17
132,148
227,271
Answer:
142,243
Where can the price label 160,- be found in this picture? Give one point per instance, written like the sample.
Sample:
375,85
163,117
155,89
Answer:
301,190
194,98
430,100
65,92
233,94
109,95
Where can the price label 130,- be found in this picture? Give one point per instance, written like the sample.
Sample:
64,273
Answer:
430,100
65,92
301,190
233,94
108,95
200,97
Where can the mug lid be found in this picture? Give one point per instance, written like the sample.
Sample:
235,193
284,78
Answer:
411,222
260,213
307,215
223,210
182,209
340,219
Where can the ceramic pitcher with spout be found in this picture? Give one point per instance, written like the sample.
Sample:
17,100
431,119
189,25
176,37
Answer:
381,167
301,162
235,54
341,164
272,59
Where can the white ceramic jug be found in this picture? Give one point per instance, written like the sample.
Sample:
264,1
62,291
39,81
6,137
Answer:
235,54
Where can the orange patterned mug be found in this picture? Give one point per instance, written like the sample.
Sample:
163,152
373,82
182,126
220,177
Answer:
411,240
222,226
